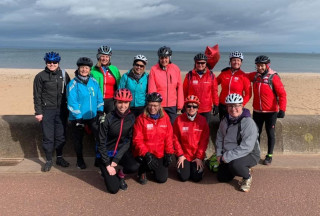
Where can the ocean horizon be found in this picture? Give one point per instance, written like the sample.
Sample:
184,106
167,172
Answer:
280,62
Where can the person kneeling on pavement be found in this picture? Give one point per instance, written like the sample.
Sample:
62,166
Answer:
237,143
152,140
115,138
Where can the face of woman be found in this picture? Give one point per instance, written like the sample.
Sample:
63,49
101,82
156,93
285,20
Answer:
52,66
138,67
153,107
234,110
261,67
104,60
84,70
235,63
122,106
192,108
164,61
201,65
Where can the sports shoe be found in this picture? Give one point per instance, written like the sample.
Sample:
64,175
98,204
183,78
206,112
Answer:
81,164
246,184
62,162
143,179
267,160
123,185
47,166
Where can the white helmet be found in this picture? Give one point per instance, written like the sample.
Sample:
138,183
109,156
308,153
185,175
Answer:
236,54
234,99
140,58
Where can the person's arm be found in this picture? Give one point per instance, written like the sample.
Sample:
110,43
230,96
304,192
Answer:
72,98
102,148
138,138
177,138
219,141
151,81
180,98
37,94
214,91
168,148
123,81
247,90
186,86
281,92
203,142
100,102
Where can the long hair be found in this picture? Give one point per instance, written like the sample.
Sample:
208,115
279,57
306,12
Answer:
146,112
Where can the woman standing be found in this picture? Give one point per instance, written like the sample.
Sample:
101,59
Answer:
115,139
136,80
85,104
190,140
107,75
152,140
49,97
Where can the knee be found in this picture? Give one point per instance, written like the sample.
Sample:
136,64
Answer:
112,190
161,179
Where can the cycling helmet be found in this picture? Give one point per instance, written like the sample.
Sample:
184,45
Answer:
104,50
236,54
192,99
262,59
84,61
140,58
52,56
154,97
234,99
164,51
200,56
123,95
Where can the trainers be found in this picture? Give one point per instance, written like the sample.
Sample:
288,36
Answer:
267,160
143,179
47,166
81,164
62,162
246,184
123,185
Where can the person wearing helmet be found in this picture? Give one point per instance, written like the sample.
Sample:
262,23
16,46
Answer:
165,78
85,106
49,98
107,75
202,83
152,140
233,80
115,139
136,80
269,100
190,140
237,145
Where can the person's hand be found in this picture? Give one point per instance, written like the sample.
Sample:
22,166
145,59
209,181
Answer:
39,117
167,160
199,163
215,110
179,110
151,161
114,164
218,159
111,170
79,123
181,161
281,114
100,117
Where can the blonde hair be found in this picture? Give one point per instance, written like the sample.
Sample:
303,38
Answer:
146,112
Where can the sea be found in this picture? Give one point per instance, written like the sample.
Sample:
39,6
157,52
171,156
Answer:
280,62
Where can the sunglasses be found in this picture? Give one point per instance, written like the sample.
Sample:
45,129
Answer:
52,62
139,65
201,63
191,106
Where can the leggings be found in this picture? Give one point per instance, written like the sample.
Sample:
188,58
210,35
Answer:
172,113
189,171
160,174
270,119
222,111
238,167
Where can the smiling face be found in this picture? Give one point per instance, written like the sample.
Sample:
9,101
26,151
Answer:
122,106
52,66
235,63
234,110
84,70
138,67
261,68
104,60
164,61
192,108
153,107
201,65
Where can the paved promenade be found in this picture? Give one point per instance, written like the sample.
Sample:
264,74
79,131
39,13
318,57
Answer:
290,186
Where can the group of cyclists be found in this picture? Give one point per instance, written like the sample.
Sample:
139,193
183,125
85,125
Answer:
134,117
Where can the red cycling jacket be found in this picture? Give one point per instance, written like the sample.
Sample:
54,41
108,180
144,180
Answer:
264,98
190,138
205,88
236,82
154,136
168,83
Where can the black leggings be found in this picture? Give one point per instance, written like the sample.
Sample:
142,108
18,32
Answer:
160,174
238,167
172,113
270,119
189,171
129,164
222,111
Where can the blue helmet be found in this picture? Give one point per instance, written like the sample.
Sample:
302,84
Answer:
52,56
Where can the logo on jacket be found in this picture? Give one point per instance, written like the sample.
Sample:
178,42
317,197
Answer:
163,126
185,129
149,126
236,78
196,129
195,82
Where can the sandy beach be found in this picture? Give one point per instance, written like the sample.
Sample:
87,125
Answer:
303,92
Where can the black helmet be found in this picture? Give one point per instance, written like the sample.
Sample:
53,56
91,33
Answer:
200,56
154,97
262,60
84,61
164,51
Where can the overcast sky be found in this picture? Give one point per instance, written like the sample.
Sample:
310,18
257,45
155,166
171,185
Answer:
247,25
